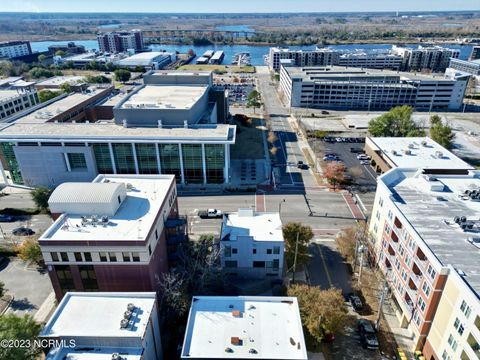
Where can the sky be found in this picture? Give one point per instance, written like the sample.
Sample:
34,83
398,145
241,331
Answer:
222,6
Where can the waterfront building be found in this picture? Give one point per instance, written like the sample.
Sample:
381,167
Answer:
70,48
252,244
14,49
371,60
317,57
352,88
423,237
116,233
475,55
77,83
104,326
471,67
244,327
150,60
117,42
434,58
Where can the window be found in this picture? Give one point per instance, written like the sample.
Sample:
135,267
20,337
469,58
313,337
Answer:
215,163
380,202
421,304
65,278
466,310
426,289
445,356
458,326
146,158
78,256
259,264
64,256
112,256
149,249
231,264
227,251
234,251
408,260
103,256
87,256
77,161
126,256
276,250
89,278
401,250
135,257
452,342
390,215
269,251
156,234
54,256
404,275
254,251
431,272
276,264
123,156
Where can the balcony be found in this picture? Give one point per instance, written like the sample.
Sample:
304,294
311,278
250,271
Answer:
412,293
416,279
473,348
421,264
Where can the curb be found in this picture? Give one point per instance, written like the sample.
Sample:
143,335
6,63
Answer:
8,305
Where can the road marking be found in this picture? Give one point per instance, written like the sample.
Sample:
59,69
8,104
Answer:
324,265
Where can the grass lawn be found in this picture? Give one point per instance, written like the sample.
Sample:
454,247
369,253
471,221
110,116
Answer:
249,143
220,68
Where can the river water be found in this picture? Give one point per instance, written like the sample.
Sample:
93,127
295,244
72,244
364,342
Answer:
257,52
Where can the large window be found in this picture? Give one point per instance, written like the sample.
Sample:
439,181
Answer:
215,163
89,278
102,158
65,278
146,158
124,161
170,160
77,161
192,163
11,162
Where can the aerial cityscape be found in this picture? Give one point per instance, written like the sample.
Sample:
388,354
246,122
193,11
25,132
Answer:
249,180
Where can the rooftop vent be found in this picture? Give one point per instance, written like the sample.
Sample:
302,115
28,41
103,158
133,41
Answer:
228,350
411,146
408,151
130,307
129,186
438,154
253,351
124,323
235,340
236,313
394,152
424,143
116,356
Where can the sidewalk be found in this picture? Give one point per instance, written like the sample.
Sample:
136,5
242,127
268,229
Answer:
403,337
43,313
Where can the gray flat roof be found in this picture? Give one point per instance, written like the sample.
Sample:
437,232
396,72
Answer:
431,213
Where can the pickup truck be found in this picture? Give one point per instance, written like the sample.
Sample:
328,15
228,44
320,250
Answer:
210,213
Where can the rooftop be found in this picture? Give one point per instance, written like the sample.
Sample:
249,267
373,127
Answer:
418,152
244,327
144,58
262,226
59,80
94,353
430,204
131,221
87,314
10,94
165,97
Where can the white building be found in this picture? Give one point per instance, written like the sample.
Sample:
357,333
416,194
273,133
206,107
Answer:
152,60
244,327
14,49
252,244
434,58
14,101
371,60
105,326
317,57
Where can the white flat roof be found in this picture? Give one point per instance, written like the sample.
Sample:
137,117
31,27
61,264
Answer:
94,353
133,219
271,326
145,58
10,94
423,153
59,80
262,226
165,97
88,314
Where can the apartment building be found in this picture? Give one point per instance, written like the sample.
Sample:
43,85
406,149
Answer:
475,54
115,42
109,326
252,244
410,152
244,327
15,101
434,58
69,48
173,124
471,67
352,88
423,238
14,49
317,57
116,233
372,60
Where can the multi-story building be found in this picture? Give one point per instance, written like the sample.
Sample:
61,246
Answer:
151,60
15,101
408,152
14,49
252,244
346,88
434,58
112,234
115,42
244,327
77,83
423,236
471,67
171,125
475,55
317,57
110,326
70,48
370,60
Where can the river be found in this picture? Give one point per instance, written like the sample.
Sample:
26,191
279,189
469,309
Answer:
257,52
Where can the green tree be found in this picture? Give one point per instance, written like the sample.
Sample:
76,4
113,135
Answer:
42,58
2,289
60,53
45,95
442,134
66,88
254,100
6,68
40,196
122,75
13,327
305,234
29,250
38,72
323,312
395,123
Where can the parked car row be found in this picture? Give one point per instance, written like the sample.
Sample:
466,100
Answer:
368,336
364,159
331,157
330,139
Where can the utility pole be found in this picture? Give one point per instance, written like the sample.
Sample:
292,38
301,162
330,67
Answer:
295,259
356,253
380,306
361,249
280,206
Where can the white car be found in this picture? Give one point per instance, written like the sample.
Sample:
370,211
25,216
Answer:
363,157
365,162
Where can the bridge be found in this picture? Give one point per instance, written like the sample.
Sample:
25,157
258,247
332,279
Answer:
181,33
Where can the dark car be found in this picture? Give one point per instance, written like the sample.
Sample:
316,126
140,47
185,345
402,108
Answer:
301,165
6,218
356,303
325,112
3,262
22,231
368,338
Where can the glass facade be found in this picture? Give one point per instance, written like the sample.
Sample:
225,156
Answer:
192,163
124,161
102,158
215,162
77,161
11,162
146,158
170,160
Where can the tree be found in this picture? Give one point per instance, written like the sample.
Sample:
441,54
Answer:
395,123
29,250
305,234
42,58
347,239
442,134
38,72
60,53
253,100
13,327
66,88
45,95
122,75
2,289
40,196
323,312
334,173
6,68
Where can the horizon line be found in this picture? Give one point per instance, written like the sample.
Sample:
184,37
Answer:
240,12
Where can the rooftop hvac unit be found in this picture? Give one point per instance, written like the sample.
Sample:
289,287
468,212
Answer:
130,307
411,146
116,356
394,152
424,143
94,219
129,186
408,152
127,315
124,323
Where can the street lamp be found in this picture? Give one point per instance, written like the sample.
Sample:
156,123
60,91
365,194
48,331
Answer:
361,249
280,207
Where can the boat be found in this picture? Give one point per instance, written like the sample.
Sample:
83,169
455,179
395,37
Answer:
242,59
